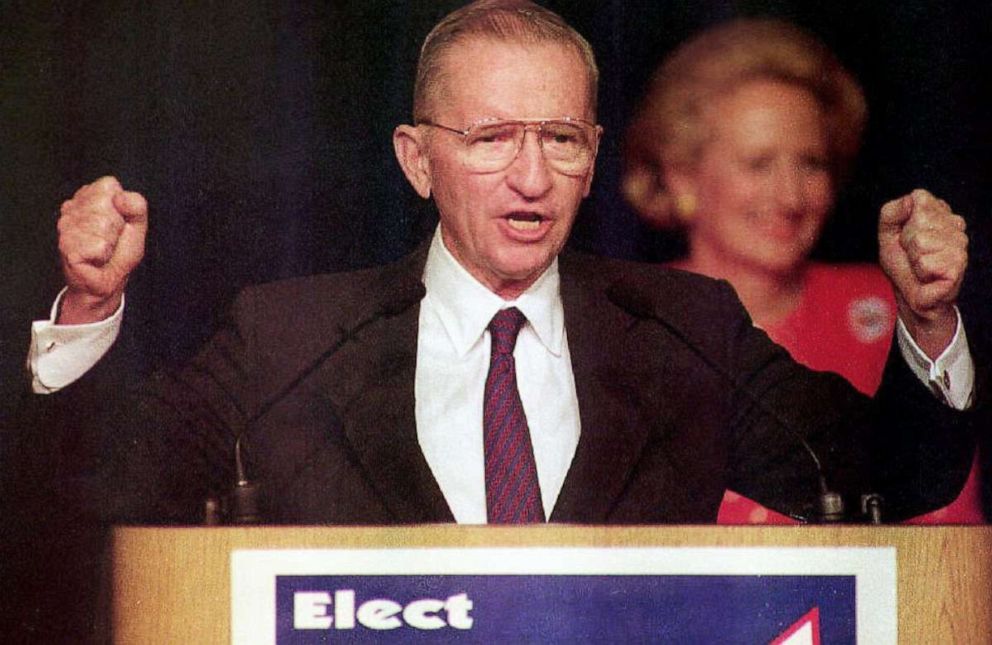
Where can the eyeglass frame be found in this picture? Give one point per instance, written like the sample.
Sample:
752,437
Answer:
528,125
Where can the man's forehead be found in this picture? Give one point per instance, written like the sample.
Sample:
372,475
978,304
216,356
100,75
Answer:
475,59
476,46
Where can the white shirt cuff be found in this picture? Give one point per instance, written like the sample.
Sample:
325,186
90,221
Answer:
60,354
951,377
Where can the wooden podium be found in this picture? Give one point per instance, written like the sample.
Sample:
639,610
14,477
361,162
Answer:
169,585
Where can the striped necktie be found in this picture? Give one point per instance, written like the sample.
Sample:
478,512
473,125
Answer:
512,492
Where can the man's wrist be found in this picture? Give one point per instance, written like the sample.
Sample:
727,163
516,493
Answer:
933,332
60,354
75,308
951,374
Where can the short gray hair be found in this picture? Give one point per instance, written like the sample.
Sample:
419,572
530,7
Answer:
516,21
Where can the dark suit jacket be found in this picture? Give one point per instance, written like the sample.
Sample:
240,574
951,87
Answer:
317,376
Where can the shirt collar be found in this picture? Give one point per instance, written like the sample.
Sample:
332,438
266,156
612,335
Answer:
465,306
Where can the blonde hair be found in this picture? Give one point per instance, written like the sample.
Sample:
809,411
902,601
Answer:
669,128
517,21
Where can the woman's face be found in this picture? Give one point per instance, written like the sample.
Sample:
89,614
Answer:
762,187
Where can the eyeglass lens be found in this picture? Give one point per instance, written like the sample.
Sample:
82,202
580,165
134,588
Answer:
493,146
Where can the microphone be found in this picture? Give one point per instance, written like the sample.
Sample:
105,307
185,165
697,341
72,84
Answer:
245,497
830,505
871,507
245,508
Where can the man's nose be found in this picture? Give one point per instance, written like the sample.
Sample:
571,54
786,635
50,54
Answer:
529,174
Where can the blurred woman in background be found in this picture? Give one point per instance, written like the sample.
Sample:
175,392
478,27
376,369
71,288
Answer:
740,143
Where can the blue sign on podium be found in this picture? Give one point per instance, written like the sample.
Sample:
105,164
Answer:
564,595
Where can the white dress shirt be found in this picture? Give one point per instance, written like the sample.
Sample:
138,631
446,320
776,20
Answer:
453,349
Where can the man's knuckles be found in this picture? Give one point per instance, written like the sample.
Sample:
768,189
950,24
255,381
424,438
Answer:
94,219
933,234
924,198
87,249
106,185
133,206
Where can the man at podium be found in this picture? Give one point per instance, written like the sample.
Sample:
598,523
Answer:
491,376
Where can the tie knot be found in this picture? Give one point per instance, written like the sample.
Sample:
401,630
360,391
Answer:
504,327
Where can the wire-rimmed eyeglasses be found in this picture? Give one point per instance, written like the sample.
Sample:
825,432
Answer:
491,145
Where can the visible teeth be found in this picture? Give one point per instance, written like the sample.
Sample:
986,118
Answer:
523,225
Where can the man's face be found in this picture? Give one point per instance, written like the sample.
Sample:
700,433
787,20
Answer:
505,227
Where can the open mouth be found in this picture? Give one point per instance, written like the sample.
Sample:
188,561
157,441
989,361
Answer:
524,221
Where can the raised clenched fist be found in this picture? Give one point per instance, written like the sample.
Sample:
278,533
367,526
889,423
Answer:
101,240
923,248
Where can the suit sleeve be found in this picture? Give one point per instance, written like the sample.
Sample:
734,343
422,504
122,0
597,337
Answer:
150,450
904,445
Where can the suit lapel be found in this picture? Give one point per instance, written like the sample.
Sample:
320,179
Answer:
381,427
380,422
606,380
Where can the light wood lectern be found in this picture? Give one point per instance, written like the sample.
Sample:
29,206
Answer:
169,585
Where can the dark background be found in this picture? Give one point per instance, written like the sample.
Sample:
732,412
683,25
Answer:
261,134
260,131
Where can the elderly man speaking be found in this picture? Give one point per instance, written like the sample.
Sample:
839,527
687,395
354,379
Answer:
491,377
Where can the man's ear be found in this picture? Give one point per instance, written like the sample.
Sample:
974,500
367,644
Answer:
410,147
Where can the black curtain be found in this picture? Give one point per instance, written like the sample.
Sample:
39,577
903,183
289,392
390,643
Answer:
260,132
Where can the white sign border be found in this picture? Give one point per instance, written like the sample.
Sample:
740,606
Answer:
253,573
